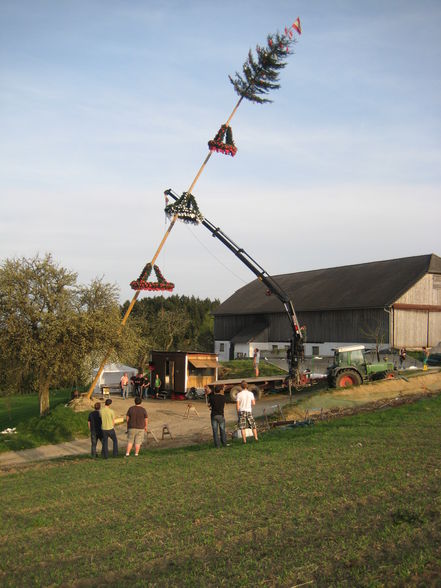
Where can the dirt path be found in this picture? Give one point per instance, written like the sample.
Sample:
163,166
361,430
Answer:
187,425
191,425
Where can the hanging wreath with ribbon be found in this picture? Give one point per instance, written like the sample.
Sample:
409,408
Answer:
161,285
186,208
223,142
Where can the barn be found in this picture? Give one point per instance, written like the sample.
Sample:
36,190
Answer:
393,303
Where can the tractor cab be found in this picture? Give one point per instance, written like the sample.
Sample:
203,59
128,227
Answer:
347,356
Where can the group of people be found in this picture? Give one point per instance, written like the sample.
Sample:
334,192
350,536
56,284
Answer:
141,384
244,405
101,423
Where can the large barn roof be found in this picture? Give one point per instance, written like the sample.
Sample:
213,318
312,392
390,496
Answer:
364,285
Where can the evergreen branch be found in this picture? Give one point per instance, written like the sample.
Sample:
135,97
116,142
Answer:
261,75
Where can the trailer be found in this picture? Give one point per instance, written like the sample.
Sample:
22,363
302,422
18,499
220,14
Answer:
259,385
180,371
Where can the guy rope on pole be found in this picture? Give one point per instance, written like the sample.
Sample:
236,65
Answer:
260,74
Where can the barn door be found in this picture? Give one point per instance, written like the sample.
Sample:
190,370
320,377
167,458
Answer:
169,380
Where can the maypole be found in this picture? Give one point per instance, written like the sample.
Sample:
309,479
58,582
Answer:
260,75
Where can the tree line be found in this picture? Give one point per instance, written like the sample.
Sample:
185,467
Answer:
54,331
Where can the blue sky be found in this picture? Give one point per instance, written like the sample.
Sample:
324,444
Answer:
106,103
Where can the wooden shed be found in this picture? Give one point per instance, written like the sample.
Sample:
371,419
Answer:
396,302
180,371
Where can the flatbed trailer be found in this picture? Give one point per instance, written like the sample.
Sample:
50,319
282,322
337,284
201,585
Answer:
257,385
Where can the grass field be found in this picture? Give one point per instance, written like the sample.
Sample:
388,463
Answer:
350,502
22,412
243,368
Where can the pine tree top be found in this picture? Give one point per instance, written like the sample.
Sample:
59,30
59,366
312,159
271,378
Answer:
261,73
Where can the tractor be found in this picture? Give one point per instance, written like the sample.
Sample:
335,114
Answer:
352,367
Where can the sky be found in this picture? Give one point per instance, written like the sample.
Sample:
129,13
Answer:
104,104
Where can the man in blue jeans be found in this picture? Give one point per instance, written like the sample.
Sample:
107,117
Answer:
216,402
108,428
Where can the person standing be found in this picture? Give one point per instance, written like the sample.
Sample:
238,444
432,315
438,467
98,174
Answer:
256,361
125,385
157,386
137,422
402,356
244,403
94,424
108,427
216,401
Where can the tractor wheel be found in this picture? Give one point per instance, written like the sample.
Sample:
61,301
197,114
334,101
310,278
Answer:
389,376
347,378
234,391
258,392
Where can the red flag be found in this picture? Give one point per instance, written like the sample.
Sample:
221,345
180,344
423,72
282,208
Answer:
297,26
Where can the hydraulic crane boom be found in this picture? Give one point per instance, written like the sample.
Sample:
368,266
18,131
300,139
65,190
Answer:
295,354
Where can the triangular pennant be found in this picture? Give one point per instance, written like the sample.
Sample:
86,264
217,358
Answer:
160,285
223,141
186,208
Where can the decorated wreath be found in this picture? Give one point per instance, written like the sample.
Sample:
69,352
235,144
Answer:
161,285
223,142
186,208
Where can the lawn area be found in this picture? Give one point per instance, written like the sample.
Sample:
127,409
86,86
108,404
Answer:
23,412
19,409
243,368
350,502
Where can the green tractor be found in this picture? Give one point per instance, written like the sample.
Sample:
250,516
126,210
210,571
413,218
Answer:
352,367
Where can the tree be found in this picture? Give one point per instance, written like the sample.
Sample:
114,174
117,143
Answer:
50,326
169,323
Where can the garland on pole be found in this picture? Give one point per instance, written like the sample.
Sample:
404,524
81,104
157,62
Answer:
223,141
186,209
262,74
160,285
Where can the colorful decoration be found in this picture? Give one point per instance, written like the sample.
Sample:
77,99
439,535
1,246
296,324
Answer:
186,208
142,284
223,141
262,75
297,26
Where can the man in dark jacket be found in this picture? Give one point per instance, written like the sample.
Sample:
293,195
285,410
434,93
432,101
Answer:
216,401
94,423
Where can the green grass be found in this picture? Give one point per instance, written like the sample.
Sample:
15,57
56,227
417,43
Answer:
22,412
243,368
351,502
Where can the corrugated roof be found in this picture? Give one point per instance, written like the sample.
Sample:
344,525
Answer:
365,285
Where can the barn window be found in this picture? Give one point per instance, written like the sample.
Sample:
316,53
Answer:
221,347
315,350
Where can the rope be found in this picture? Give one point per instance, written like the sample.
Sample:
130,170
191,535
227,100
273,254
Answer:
214,256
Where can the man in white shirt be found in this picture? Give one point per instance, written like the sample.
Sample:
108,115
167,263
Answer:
245,402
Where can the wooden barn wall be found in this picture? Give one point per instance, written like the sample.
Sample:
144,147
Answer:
343,326
419,328
226,327
346,326
425,291
416,328
410,328
434,328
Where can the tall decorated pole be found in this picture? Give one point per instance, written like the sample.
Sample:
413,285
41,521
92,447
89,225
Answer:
260,75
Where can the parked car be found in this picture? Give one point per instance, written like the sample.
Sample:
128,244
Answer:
434,359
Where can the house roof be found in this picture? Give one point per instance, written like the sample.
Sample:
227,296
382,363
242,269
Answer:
364,285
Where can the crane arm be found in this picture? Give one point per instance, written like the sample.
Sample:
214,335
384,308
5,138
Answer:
295,354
